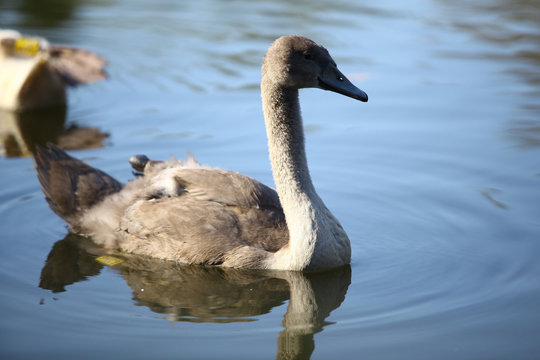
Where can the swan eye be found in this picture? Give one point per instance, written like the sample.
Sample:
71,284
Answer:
308,56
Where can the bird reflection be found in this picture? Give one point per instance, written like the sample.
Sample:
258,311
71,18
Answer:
211,294
68,262
20,132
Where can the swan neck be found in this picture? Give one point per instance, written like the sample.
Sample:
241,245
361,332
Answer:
286,141
316,239
298,198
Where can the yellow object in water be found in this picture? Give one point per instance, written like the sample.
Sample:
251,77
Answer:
109,260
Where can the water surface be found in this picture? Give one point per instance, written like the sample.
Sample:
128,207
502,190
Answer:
436,180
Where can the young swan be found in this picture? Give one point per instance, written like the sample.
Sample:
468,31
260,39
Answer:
191,213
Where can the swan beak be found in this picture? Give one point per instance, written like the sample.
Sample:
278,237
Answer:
332,79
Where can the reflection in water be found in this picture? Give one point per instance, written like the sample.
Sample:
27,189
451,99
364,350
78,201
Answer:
490,195
517,49
521,41
527,132
67,264
20,132
211,294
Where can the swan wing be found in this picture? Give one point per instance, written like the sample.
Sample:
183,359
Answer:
76,66
205,216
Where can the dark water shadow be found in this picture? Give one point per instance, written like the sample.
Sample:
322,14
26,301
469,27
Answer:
211,294
43,13
20,132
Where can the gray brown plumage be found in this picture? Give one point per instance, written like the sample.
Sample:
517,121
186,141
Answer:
76,66
71,186
192,213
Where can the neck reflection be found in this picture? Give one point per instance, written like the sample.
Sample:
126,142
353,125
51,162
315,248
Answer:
211,294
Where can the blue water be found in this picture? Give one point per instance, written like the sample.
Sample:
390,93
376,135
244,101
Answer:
436,180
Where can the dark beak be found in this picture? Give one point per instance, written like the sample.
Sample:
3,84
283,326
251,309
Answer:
333,80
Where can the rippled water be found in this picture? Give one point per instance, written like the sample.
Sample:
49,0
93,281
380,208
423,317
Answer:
436,180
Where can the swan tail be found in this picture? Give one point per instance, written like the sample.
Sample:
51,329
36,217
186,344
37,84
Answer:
70,185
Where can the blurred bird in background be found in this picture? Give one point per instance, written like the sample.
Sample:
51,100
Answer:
34,74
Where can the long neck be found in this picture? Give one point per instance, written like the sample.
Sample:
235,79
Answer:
308,220
286,142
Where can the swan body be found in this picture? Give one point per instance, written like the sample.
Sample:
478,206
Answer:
192,213
34,73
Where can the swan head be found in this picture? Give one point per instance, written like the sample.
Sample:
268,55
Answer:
297,62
